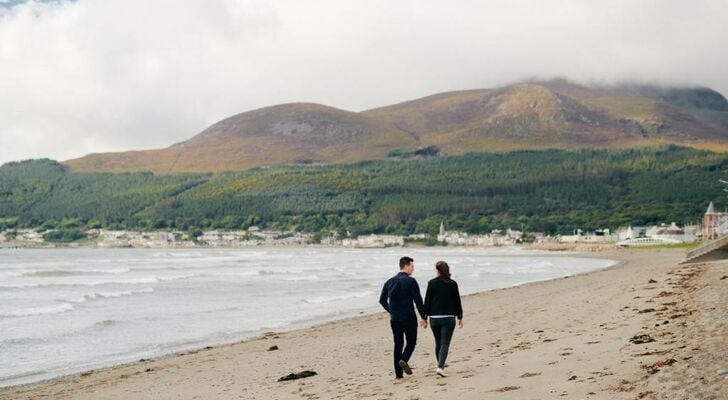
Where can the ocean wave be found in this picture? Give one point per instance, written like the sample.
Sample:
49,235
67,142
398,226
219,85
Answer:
175,277
22,341
301,278
542,264
108,295
117,270
25,312
70,272
368,284
131,281
48,273
329,299
4,275
105,323
281,271
253,272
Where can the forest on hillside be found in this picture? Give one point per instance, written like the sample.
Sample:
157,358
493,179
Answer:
551,191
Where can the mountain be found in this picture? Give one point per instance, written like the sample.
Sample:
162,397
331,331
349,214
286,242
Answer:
529,115
283,134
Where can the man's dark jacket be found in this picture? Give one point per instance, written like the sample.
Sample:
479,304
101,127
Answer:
398,295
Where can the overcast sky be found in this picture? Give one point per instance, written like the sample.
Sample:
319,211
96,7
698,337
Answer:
108,75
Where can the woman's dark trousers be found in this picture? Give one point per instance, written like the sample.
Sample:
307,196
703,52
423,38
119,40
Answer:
442,328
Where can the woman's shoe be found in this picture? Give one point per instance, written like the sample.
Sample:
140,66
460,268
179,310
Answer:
441,372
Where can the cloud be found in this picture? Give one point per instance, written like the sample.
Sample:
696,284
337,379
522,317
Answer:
102,75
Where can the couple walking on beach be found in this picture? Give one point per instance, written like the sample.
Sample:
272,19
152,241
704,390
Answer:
442,305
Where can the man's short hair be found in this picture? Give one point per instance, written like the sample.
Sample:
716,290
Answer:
405,261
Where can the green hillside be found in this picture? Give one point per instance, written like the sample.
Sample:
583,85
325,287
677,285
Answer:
548,190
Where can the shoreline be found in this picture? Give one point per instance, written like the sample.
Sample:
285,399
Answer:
555,247
520,342
303,326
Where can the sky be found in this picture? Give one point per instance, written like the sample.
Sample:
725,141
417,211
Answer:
86,76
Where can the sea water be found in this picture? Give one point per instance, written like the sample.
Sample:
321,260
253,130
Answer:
67,310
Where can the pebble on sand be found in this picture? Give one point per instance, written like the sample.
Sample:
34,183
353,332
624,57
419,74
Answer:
298,375
640,339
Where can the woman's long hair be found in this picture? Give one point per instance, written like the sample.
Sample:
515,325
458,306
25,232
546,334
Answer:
444,270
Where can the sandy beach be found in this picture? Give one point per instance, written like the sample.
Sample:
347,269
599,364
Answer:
647,328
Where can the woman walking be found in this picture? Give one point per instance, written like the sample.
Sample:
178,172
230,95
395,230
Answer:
442,305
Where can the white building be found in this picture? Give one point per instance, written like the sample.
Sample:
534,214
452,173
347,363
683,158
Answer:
661,234
496,238
671,232
510,233
598,236
631,232
29,235
152,239
374,241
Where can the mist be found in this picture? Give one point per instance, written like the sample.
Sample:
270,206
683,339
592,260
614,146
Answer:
100,75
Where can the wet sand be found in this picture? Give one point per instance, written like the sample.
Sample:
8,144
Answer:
573,338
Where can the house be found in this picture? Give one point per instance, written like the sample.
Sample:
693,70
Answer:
29,235
598,236
631,232
374,241
714,223
671,233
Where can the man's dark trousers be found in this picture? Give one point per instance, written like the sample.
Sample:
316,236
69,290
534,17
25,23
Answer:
403,330
398,296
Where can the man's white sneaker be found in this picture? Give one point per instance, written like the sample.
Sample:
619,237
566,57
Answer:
441,372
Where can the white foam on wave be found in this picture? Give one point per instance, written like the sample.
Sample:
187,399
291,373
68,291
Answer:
10,274
175,277
281,271
185,254
502,271
329,299
541,264
131,281
25,312
48,273
117,270
68,272
301,278
108,295
253,272
104,323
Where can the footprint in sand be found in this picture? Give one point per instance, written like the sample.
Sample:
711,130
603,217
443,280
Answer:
506,389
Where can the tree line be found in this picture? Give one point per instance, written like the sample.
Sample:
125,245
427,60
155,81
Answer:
550,191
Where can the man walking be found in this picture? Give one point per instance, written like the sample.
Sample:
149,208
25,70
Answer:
398,295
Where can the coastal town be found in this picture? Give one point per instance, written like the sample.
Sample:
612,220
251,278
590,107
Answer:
714,224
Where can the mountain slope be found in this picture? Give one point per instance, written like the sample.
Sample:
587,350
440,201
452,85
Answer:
531,115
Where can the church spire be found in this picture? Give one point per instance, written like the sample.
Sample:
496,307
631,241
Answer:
711,209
